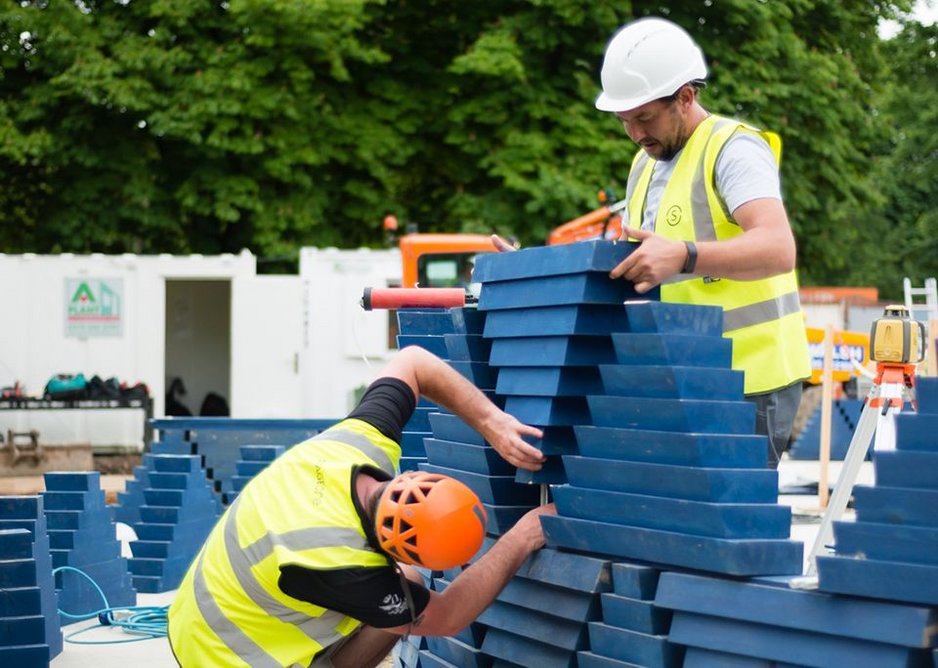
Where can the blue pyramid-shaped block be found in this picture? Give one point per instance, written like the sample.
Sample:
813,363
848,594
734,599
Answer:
30,633
82,535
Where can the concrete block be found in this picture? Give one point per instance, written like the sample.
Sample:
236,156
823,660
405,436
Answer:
595,255
548,411
671,447
887,542
173,463
678,482
695,657
468,320
549,381
631,646
20,507
635,615
889,580
731,557
52,500
926,392
430,660
591,660
781,606
526,652
261,453
906,469
672,350
655,317
501,518
551,473
586,319
578,572
569,604
16,544
635,581
671,382
681,415
482,459
897,505
479,374
428,321
448,427
72,481
775,643
457,653
433,344
552,351
719,520
27,656
916,431
588,288
412,443
536,625
467,347
496,490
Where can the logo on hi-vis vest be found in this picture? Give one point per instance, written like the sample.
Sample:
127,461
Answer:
673,215
93,307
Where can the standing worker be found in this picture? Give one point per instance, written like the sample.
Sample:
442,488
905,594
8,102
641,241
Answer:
312,563
704,199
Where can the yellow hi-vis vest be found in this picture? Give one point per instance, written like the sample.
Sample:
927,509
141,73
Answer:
229,610
762,317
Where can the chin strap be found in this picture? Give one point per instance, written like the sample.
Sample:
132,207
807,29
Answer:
405,585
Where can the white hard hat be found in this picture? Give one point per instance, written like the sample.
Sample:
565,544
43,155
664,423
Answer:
646,60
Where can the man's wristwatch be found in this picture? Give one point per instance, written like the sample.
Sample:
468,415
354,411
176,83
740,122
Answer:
691,262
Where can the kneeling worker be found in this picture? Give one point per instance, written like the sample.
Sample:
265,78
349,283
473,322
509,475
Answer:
310,566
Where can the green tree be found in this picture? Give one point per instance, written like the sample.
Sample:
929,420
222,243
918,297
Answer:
206,126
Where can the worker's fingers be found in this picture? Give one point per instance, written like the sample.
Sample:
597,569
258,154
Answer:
501,245
623,267
636,233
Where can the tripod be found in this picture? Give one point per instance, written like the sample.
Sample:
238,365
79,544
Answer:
892,386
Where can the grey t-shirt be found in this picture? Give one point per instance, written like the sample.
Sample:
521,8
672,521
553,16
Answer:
745,170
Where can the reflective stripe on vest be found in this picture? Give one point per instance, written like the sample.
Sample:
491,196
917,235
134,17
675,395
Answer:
762,317
233,585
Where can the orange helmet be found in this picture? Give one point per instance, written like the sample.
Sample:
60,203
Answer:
430,520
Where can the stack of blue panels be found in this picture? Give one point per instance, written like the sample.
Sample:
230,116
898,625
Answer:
540,619
891,551
217,442
427,329
633,630
30,635
845,414
732,623
549,314
82,535
254,459
179,512
671,472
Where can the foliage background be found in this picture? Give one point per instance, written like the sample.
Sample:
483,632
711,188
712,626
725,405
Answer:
202,126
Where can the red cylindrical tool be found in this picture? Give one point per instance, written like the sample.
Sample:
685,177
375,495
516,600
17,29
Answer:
391,298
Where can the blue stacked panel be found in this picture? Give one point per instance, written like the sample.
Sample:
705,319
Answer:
845,414
254,459
890,551
30,632
768,621
179,511
454,335
82,535
629,615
